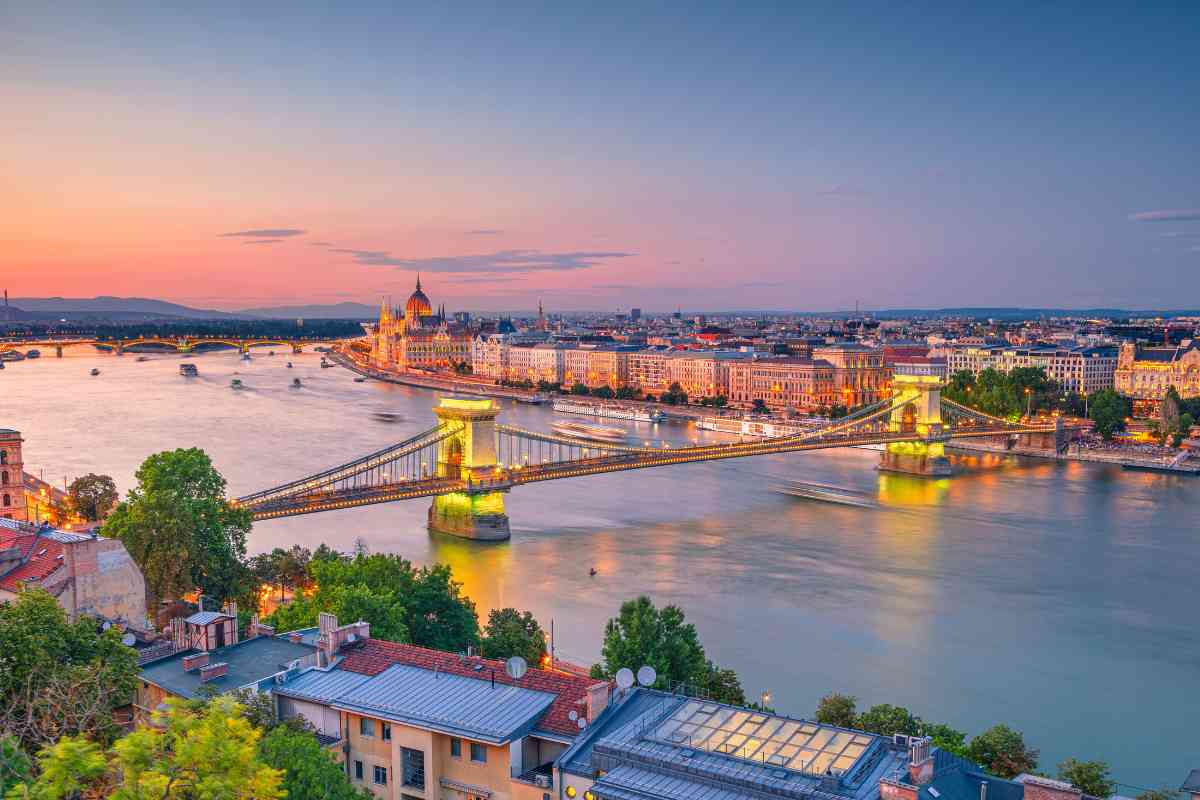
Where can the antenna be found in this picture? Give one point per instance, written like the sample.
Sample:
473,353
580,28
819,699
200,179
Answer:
646,676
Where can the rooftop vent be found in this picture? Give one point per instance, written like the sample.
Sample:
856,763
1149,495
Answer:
194,662
213,671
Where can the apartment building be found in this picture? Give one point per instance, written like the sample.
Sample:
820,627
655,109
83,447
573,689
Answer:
860,376
783,384
1145,373
1083,370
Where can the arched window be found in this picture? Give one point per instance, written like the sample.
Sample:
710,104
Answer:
4,478
7,501
3,456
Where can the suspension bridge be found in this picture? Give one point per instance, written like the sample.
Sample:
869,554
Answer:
181,344
468,460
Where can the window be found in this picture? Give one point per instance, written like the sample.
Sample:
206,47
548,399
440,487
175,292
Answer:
478,753
3,456
7,500
358,772
387,732
4,477
366,727
412,763
455,747
380,775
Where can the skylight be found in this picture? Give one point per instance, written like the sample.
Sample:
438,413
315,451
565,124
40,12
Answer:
798,745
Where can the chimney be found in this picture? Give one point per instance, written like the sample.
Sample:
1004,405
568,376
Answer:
195,661
597,700
213,671
894,789
1039,788
920,761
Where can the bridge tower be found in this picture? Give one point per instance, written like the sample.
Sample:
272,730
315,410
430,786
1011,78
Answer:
917,408
469,455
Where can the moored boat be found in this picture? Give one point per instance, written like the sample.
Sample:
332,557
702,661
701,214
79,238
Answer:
296,383
188,370
633,413
236,383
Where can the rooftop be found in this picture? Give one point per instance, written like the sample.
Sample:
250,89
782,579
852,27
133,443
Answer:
1192,784
250,661
570,691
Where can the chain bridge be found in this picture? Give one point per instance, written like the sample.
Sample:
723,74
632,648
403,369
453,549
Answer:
468,461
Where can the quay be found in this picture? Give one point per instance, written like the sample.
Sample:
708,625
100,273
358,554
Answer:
1178,465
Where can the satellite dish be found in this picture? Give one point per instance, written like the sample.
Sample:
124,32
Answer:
572,715
625,677
129,640
582,724
106,626
646,676
516,667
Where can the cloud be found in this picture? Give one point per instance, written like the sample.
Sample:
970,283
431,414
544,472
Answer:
613,286
263,241
488,279
483,232
844,190
321,244
1167,215
273,233
500,261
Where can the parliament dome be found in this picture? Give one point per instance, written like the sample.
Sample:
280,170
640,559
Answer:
418,304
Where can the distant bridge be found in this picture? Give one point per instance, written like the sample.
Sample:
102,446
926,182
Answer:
181,344
468,461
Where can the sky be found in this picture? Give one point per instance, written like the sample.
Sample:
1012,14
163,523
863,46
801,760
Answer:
601,156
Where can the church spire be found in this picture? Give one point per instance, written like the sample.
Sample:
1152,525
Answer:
418,281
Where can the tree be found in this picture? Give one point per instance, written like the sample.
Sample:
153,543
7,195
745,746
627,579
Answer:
181,530
512,633
189,753
15,766
949,739
723,685
760,406
92,496
642,635
311,773
59,677
674,395
837,709
886,720
1090,777
628,393
1108,410
1158,794
1002,751
579,388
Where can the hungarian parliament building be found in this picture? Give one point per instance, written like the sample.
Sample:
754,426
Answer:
415,337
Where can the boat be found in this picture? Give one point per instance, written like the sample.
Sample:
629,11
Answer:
360,380
325,364
188,370
612,412
245,356
95,371
270,352
596,433
12,355
753,427
289,365
533,400
1,365
296,383
388,416
33,354
236,383
825,493
141,358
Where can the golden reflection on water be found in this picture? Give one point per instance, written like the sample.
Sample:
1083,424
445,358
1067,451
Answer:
906,490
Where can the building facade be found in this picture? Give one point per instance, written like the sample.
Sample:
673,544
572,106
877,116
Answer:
1145,373
416,338
1081,370
12,476
859,375
783,384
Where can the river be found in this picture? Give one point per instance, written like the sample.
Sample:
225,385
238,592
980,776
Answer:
1058,598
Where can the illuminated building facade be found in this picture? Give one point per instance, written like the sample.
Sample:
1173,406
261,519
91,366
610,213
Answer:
1145,373
1077,369
859,374
416,338
783,384
12,476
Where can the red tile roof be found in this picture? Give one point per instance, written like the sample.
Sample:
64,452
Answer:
376,655
40,555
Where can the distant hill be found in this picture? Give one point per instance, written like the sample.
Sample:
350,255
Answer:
112,308
315,311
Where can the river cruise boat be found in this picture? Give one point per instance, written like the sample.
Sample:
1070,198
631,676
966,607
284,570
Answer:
611,412
34,354
188,370
11,355
765,429
595,433
825,493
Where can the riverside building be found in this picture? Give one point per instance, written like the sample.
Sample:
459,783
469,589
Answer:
416,338
1145,373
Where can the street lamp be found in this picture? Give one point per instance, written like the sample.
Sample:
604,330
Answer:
764,698
1028,400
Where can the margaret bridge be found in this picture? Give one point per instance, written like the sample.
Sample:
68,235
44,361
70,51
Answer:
468,461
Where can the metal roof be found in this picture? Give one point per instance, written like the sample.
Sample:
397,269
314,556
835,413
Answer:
1192,784
321,686
451,704
631,783
205,617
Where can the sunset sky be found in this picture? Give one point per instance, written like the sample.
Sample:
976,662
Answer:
601,155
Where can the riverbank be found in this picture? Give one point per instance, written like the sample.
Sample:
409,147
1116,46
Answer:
1176,465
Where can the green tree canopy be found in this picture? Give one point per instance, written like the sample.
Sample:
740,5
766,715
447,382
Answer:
59,677
1090,777
211,752
92,496
886,720
1108,410
310,771
181,530
423,606
837,709
510,632
1002,751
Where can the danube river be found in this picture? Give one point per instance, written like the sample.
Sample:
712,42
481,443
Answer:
1058,598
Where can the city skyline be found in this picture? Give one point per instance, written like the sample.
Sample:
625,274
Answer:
603,159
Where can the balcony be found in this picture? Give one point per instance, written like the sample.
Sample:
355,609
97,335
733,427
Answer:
540,776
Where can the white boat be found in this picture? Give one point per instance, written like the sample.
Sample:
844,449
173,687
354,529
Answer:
633,414
753,427
596,433
825,493
188,370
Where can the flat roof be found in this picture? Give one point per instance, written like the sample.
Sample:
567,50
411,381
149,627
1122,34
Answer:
451,704
250,661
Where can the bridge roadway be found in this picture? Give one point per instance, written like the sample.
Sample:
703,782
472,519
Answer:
181,344
629,458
